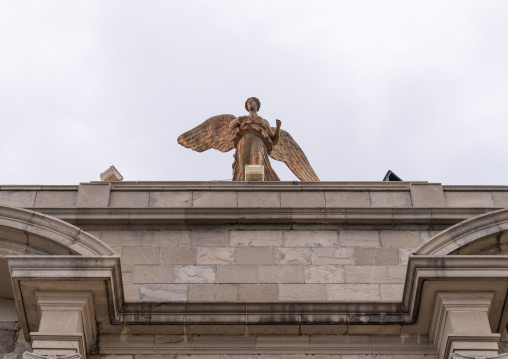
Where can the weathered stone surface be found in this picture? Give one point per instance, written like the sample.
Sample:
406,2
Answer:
303,238
281,274
210,238
195,274
391,292
347,199
214,199
427,195
140,255
261,255
170,255
359,238
170,199
127,238
390,199
53,199
404,255
500,199
129,199
352,292
376,256
258,199
223,256
152,274
375,274
302,199
93,195
237,274
175,238
338,256
163,292
17,198
324,274
257,292
212,292
469,199
292,256
304,292
400,239
254,238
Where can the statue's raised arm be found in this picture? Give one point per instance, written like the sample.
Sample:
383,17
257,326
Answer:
254,141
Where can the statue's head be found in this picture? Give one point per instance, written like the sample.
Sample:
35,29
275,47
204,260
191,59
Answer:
253,99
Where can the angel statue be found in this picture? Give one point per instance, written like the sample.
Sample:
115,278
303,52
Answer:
253,139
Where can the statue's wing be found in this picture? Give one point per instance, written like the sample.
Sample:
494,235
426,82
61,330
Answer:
288,151
213,133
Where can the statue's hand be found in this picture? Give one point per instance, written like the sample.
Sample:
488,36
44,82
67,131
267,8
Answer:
278,123
233,124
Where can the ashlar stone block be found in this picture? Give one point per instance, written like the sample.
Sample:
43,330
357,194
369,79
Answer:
129,199
93,195
53,199
281,274
292,256
302,292
214,199
152,274
170,199
353,292
302,199
375,274
209,238
324,274
140,255
427,195
258,199
359,238
178,255
212,292
222,256
261,238
400,239
306,238
17,198
237,274
260,255
257,292
469,199
390,199
376,256
347,199
336,256
163,292
195,274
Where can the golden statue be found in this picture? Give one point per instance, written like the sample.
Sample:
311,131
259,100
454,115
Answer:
253,139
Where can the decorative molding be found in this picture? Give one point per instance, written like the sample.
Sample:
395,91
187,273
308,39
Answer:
460,356
53,230
464,233
28,355
188,216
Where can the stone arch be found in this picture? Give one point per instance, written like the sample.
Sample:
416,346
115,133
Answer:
477,235
29,232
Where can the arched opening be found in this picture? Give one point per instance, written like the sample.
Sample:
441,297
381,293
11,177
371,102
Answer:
29,232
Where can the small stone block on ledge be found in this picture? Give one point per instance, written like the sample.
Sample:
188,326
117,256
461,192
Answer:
111,175
254,173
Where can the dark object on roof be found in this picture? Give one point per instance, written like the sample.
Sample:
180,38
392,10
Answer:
390,177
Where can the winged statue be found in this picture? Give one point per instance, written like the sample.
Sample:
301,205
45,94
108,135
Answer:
254,141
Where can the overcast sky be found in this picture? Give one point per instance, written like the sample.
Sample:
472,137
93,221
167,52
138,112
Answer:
417,87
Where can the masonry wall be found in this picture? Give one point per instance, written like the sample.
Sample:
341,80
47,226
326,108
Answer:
351,245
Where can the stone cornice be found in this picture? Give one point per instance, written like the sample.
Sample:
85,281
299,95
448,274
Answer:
278,215
424,276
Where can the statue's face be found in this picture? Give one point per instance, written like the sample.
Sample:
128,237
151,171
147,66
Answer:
252,105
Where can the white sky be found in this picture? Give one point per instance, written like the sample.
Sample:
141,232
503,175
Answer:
418,87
